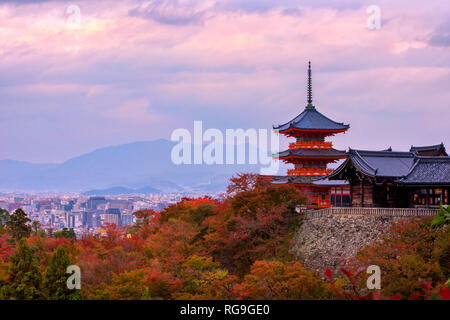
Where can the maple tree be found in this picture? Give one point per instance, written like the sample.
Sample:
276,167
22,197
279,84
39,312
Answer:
411,252
281,280
236,247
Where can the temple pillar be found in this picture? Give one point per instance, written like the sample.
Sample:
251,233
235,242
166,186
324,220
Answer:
362,192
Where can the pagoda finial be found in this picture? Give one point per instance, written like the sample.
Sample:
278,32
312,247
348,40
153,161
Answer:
309,86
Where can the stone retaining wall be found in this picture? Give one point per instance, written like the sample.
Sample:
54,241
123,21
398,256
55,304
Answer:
329,236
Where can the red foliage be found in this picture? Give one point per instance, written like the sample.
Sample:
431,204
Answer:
6,249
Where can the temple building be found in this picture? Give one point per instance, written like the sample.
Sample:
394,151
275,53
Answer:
418,178
436,150
310,155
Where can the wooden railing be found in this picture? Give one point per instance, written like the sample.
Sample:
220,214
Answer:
309,172
311,145
357,211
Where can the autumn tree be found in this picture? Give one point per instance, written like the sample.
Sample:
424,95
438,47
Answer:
246,182
287,281
141,284
145,222
205,279
254,225
24,275
18,225
412,250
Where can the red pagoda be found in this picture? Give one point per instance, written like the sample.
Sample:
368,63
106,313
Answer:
311,153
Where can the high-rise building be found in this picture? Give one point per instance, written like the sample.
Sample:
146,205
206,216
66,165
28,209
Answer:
94,202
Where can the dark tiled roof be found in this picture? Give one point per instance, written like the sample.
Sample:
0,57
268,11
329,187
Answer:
434,150
326,182
382,163
429,170
311,119
292,179
378,163
402,167
319,181
300,152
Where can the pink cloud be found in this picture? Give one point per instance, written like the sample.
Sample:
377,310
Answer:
168,65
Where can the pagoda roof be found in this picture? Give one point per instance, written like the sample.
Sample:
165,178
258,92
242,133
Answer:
434,150
312,153
292,179
322,181
311,119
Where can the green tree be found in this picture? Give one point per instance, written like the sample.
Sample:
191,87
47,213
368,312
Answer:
24,275
55,278
18,225
36,228
65,233
4,217
443,216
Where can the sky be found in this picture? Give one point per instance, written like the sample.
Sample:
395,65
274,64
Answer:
125,71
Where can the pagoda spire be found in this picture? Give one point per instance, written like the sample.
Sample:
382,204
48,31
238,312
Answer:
309,86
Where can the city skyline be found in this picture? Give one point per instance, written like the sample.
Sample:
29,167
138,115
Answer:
136,71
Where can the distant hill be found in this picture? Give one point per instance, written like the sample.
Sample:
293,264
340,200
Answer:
121,190
131,166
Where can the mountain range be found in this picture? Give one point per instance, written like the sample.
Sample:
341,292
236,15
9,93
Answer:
136,167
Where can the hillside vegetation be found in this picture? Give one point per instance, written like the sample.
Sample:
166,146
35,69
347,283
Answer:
236,248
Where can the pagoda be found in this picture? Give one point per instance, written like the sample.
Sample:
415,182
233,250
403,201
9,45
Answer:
311,153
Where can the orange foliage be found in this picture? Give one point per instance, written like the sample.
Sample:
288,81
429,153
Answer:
277,280
237,248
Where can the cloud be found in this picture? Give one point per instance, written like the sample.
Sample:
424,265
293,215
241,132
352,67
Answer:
173,12
134,112
138,69
440,37
291,11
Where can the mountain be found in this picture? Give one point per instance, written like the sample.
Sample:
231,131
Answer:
121,190
131,166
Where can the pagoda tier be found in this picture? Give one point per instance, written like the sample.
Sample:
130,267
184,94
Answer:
310,153
311,124
323,155
309,161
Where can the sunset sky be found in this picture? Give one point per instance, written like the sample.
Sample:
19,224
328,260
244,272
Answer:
137,70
